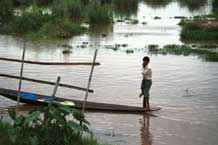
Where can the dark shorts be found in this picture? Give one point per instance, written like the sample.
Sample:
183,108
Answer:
145,87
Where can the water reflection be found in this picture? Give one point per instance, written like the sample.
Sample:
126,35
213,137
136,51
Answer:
123,9
100,34
99,30
146,136
192,5
215,7
155,4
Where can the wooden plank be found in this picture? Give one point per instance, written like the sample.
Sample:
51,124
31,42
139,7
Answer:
21,76
89,81
48,63
46,82
55,90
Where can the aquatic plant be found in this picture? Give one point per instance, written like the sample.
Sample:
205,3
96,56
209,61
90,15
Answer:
34,23
199,29
47,125
58,28
198,35
185,50
99,14
31,20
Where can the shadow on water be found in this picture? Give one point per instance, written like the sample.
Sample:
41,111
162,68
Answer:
146,136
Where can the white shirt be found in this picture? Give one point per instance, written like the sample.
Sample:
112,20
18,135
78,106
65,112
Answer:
147,73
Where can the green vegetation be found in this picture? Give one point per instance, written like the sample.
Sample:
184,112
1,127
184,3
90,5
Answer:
199,29
215,7
51,18
35,22
125,9
6,11
157,3
72,9
185,50
192,5
98,14
59,28
47,125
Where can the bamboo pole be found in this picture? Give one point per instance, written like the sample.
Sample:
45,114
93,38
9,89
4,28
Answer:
55,91
89,81
21,76
48,63
45,82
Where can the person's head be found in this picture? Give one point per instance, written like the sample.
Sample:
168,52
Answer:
146,61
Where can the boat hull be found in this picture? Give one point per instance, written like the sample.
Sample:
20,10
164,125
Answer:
37,99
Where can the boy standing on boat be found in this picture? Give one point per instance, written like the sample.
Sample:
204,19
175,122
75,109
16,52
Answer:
146,81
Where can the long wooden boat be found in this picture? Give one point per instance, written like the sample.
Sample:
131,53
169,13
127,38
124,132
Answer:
37,99
48,63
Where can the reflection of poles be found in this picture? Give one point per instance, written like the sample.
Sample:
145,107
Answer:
89,82
145,132
21,76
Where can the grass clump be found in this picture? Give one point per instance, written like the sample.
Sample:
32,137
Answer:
34,24
51,18
30,21
47,125
199,29
185,50
58,28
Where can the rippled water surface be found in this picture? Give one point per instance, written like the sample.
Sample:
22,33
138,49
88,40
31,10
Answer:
186,87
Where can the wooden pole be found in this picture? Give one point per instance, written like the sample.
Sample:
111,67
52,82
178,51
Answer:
48,63
21,76
55,90
45,82
89,81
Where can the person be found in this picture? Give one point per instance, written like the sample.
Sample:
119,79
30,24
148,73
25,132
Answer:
146,81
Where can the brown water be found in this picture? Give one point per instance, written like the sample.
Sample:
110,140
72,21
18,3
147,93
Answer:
187,117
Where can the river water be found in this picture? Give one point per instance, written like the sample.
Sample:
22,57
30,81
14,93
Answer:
186,87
